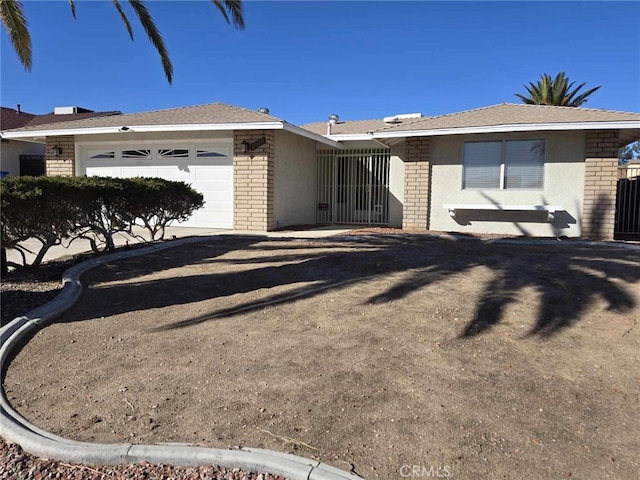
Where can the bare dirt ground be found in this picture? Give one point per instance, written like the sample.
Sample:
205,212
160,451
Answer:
386,355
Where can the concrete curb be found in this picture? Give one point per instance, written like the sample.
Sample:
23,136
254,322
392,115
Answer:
36,441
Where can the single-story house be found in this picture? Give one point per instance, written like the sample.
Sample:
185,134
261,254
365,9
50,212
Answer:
25,157
508,169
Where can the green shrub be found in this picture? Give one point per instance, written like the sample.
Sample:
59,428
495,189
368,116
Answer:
52,209
161,202
35,207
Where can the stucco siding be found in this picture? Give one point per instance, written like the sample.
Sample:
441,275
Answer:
396,185
564,172
10,154
295,180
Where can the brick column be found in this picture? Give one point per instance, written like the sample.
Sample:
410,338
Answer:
601,173
417,183
63,164
253,181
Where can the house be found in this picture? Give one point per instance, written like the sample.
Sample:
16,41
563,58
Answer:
507,169
25,157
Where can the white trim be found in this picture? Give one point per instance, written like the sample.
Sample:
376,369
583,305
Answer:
196,127
164,141
350,137
173,128
313,136
529,127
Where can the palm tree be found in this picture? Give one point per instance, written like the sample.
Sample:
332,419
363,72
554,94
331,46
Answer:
15,24
555,92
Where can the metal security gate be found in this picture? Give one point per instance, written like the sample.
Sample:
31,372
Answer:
627,224
353,186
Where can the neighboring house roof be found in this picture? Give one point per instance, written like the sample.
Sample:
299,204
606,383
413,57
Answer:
212,116
12,119
497,118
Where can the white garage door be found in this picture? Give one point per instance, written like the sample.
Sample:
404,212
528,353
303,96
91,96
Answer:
207,168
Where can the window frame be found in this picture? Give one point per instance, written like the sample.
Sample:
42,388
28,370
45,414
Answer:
503,164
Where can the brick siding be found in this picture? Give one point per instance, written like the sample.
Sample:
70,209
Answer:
64,164
253,181
417,184
601,173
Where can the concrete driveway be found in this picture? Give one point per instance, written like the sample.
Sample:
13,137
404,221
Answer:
141,235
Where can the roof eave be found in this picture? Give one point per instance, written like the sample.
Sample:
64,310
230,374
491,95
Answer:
132,128
313,136
343,137
525,127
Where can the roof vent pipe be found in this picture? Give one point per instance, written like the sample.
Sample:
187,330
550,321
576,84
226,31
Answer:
333,119
19,108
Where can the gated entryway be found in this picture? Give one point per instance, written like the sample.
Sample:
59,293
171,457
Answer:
627,223
353,186
32,165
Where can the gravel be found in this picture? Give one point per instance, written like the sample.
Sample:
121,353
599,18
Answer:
18,465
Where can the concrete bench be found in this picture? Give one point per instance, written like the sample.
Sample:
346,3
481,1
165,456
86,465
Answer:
550,209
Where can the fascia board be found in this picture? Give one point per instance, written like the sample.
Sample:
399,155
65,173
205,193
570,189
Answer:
145,129
313,136
344,137
631,124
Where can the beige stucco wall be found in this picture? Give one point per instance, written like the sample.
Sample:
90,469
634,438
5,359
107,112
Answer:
396,185
10,154
563,185
295,180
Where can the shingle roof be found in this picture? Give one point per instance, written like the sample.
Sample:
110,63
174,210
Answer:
513,114
494,115
349,127
199,114
12,119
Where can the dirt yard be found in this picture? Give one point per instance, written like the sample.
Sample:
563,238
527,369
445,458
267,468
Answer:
392,356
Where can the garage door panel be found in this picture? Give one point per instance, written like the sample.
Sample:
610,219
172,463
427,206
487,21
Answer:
130,172
174,173
209,170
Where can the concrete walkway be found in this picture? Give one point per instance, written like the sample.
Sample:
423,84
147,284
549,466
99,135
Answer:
140,236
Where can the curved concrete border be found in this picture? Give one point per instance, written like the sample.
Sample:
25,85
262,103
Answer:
36,441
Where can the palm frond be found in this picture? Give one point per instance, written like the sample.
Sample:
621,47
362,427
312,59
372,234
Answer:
234,7
124,18
581,99
15,24
557,91
154,35
524,99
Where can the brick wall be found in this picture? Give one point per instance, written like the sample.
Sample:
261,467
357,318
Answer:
601,173
64,164
417,184
253,181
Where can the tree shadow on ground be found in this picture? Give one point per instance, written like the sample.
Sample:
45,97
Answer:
569,278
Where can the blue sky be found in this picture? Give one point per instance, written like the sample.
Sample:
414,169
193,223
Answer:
304,60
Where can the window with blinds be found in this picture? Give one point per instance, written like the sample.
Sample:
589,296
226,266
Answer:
509,164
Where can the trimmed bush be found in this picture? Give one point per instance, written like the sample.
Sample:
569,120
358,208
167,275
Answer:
51,209
36,207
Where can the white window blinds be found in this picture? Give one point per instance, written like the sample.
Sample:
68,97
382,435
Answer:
524,164
482,164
